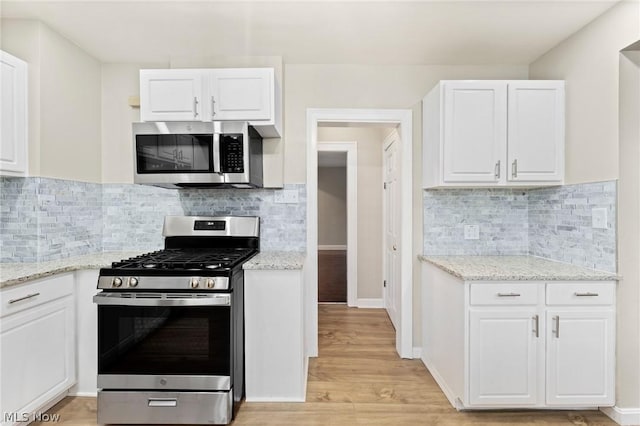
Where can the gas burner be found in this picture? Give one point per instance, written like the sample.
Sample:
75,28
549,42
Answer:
149,265
214,266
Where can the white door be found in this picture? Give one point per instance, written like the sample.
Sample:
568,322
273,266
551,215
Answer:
391,228
475,120
241,94
504,354
580,357
13,115
171,95
536,131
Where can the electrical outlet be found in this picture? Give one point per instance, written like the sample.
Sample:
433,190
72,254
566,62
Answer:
286,196
599,218
471,232
291,196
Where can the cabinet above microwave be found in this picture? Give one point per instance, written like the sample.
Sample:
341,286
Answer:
221,94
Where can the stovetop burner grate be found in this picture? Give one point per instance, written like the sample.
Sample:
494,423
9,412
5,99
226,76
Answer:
186,259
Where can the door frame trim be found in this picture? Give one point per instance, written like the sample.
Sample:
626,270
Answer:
351,148
402,118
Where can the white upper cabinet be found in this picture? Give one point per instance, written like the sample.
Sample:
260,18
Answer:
13,116
536,131
226,94
474,128
241,93
493,133
171,95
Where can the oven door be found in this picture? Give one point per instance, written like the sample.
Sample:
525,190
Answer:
164,341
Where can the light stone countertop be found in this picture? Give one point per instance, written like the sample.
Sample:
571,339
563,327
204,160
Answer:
12,274
276,260
516,268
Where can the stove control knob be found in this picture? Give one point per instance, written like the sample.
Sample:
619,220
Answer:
211,283
133,281
195,283
117,282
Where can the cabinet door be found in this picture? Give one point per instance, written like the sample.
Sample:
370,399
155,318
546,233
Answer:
536,131
171,95
580,357
13,115
474,131
241,94
503,357
38,355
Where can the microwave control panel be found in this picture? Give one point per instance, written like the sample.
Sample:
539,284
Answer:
231,153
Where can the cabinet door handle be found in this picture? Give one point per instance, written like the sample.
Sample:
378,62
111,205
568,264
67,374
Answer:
496,172
587,294
556,319
536,324
20,299
213,107
508,294
195,106
514,169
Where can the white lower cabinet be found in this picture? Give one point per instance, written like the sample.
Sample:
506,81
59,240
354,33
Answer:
521,344
275,360
503,357
37,346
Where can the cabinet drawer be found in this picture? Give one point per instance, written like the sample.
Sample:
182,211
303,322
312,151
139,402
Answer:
513,293
25,296
581,293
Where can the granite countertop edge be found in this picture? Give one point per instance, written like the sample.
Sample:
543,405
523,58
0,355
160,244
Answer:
515,268
276,260
13,274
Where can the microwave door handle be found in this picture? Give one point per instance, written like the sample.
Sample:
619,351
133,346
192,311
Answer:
216,153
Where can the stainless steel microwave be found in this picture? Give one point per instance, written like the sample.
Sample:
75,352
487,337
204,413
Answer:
197,154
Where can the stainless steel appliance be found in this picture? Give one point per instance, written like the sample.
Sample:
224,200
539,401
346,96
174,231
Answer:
197,154
171,325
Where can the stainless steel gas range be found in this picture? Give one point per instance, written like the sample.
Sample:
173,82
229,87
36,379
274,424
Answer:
170,326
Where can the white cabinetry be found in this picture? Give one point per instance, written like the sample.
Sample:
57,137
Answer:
13,115
225,94
275,362
493,133
519,344
37,343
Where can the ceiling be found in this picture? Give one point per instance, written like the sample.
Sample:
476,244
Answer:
310,32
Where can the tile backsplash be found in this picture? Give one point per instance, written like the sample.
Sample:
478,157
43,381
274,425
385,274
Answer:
46,219
553,222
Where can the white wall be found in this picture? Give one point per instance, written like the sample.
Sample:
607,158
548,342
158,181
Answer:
596,150
332,206
588,62
369,143
64,102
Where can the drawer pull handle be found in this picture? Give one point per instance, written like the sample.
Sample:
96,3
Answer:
536,321
508,294
20,299
586,294
163,402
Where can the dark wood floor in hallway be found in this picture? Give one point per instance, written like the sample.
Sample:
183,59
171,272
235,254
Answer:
358,379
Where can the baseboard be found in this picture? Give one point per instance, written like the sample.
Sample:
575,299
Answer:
332,247
623,416
84,394
370,303
417,352
446,390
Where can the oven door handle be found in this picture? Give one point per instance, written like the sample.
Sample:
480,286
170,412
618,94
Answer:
117,300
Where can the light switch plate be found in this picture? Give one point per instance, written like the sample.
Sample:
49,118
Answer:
599,218
286,196
471,232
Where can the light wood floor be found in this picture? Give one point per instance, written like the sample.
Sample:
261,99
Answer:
358,379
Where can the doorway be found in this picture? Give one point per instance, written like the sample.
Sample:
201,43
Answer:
337,222
402,119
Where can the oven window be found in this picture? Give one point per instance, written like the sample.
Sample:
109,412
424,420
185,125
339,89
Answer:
174,153
164,340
